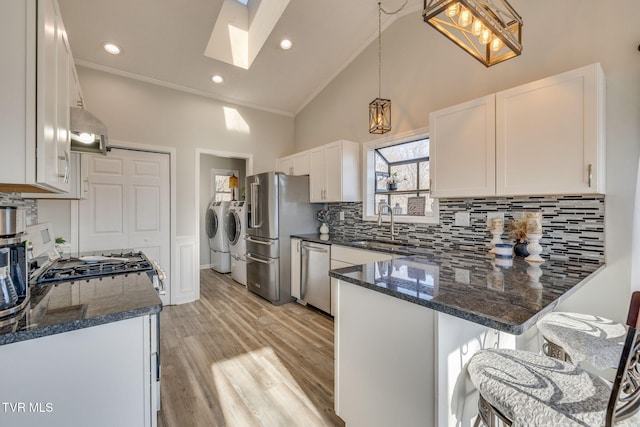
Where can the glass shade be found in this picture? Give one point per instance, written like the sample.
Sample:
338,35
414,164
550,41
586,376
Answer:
380,116
497,16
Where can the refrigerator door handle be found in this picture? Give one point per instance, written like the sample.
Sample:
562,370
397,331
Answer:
254,205
260,242
248,255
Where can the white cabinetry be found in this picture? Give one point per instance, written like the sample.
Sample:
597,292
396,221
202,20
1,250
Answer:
104,375
334,172
462,156
343,256
78,182
295,267
34,106
544,137
550,135
295,164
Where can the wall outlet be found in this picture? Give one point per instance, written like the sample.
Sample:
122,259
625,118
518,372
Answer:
494,215
462,219
462,275
341,215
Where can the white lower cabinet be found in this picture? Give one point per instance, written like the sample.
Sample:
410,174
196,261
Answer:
344,256
103,375
296,259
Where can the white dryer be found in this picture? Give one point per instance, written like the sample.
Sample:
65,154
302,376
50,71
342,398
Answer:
235,228
220,256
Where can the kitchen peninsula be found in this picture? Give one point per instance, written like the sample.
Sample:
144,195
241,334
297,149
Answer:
405,328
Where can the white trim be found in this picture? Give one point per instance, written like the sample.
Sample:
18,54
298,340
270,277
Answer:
367,182
145,79
228,154
172,200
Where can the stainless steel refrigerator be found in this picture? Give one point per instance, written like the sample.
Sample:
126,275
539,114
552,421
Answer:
278,207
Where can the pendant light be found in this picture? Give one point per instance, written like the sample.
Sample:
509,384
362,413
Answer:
488,30
379,108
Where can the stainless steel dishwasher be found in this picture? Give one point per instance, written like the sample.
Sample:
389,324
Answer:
315,285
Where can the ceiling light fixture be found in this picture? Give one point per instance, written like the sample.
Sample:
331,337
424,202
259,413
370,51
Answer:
112,48
217,79
286,44
380,108
489,30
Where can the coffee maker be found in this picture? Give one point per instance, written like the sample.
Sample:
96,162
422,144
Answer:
14,284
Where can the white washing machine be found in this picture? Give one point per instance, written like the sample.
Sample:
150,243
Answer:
235,228
215,219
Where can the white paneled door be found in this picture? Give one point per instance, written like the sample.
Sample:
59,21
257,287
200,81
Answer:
128,206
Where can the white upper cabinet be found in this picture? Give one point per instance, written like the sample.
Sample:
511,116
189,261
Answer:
295,164
462,156
334,172
544,137
550,135
35,103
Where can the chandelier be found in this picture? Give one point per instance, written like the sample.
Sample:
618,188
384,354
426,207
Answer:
489,30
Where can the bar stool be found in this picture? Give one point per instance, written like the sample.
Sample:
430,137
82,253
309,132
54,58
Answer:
576,338
528,389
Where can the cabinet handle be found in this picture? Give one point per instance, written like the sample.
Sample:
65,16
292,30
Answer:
65,175
590,174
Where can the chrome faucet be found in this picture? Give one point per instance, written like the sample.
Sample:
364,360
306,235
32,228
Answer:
380,209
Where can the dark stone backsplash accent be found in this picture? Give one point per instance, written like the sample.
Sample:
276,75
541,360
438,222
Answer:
573,226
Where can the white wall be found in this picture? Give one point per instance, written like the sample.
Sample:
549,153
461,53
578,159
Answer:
423,71
208,162
148,114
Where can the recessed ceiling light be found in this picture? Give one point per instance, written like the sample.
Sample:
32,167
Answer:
217,79
111,48
286,44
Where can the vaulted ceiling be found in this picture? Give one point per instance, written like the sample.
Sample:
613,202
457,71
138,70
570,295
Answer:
164,42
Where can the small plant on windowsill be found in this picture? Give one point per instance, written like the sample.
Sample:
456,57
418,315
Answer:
392,181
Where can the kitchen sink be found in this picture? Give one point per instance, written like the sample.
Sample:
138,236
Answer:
375,244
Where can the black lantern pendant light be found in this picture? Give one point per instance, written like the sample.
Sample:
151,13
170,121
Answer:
379,108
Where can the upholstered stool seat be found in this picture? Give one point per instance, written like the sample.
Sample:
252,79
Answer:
529,389
535,390
582,337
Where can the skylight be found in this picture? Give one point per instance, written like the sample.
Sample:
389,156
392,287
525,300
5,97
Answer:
243,2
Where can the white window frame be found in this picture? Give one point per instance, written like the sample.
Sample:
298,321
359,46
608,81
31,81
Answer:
368,178
220,172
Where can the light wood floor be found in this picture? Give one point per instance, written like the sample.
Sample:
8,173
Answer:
233,359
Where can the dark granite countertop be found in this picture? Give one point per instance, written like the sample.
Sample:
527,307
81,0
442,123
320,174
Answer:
473,287
67,306
467,284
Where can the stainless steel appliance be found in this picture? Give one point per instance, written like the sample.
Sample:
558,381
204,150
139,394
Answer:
88,133
315,285
93,268
14,284
278,207
11,221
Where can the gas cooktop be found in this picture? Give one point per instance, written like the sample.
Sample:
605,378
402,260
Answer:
85,268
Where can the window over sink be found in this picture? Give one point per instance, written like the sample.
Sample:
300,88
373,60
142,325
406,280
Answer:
397,175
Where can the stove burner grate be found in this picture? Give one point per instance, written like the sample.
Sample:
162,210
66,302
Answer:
75,269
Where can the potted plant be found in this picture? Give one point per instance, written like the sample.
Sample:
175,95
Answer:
323,217
392,181
518,230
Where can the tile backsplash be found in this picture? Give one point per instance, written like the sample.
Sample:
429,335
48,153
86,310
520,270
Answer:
573,226
30,206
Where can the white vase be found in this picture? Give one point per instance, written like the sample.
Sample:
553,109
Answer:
324,228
